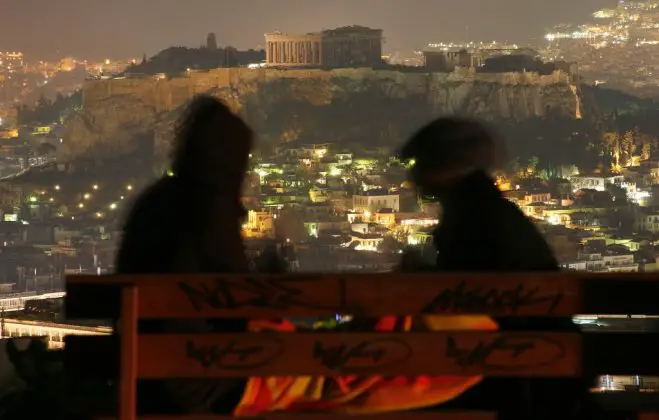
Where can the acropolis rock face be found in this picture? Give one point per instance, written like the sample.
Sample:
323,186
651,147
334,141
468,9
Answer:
351,105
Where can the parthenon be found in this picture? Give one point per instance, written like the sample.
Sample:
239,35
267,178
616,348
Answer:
351,46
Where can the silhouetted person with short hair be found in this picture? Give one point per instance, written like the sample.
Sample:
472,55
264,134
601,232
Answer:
482,231
191,223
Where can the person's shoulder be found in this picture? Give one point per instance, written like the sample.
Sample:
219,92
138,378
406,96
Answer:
154,200
524,236
163,189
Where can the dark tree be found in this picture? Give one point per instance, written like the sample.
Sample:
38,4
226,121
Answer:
211,41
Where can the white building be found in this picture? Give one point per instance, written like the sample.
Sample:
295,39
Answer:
374,202
647,222
604,263
595,182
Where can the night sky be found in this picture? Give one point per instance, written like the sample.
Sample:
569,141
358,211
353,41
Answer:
127,28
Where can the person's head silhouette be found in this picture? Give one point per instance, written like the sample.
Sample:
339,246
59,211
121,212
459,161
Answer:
212,143
448,149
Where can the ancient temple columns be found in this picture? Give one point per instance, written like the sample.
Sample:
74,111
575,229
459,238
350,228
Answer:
300,50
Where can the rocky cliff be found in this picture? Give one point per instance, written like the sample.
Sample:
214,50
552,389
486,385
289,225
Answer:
351,105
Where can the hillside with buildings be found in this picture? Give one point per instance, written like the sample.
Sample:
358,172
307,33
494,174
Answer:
349,105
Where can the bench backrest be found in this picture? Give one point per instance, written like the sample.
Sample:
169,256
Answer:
528,354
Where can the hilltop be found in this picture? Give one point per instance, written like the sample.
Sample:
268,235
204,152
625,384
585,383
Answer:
367,106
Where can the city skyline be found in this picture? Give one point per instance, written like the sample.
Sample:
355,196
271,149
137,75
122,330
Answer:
125,28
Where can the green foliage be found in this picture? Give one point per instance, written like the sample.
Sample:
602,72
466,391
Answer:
47,394
175,60
48,112
389,245
618,193
550,142
610,101
41,372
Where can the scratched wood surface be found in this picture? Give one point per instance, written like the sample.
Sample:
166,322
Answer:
365,294
403,415
331,354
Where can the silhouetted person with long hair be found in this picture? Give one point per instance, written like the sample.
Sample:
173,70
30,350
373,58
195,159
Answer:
191,223
482,231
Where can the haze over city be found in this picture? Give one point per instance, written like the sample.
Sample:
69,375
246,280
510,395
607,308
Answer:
126,28
342,160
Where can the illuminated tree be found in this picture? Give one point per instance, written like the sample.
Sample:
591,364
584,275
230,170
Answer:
628,146
390,246
613,145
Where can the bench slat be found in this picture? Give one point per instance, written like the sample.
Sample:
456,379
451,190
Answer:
402,415
603,354
231,355
263,296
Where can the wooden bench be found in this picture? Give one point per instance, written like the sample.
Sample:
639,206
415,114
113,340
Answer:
542,354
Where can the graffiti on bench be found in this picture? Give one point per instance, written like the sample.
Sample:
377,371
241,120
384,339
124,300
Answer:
366,356
466,299
237,293
441,353
282,293
506,352
236,354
